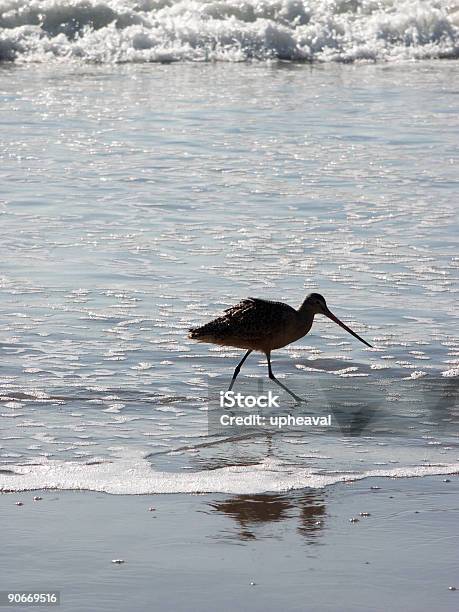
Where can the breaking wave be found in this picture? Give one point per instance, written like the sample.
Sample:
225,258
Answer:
123,31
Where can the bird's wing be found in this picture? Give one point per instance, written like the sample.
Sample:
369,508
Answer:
258,303
242,305
257,318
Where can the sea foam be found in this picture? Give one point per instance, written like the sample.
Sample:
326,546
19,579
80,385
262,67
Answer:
130,475
123,31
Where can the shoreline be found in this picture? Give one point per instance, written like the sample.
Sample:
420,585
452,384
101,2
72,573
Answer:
298,550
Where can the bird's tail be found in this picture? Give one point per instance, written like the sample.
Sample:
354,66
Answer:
195,333
202,334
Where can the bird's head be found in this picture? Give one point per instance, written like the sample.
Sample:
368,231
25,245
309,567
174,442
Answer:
316,304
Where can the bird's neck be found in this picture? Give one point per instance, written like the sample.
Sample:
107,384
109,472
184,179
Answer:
306,314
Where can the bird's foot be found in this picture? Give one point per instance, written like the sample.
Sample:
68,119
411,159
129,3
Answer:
299,400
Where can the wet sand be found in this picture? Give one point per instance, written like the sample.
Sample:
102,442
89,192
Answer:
293,551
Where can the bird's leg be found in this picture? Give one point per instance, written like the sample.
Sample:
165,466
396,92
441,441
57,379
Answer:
272,377
238,369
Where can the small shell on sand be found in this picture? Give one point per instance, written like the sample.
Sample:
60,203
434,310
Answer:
118,561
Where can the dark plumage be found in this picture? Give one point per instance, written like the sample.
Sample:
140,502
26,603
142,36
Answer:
251,323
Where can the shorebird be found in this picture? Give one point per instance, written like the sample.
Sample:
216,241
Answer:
263,325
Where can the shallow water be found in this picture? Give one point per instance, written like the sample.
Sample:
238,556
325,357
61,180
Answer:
138,200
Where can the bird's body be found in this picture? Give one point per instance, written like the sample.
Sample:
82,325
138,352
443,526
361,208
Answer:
263,325
255,324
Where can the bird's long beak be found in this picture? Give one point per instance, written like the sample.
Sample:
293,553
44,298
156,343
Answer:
331,316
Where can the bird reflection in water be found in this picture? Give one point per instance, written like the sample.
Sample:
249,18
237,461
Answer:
252,512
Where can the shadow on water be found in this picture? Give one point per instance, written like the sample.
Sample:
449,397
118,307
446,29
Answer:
359,405
400,409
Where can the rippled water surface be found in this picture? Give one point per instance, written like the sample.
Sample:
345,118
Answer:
137,201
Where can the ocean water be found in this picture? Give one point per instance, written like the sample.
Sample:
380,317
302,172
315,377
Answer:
139,198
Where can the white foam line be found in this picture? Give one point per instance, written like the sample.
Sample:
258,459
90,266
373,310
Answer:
136,477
